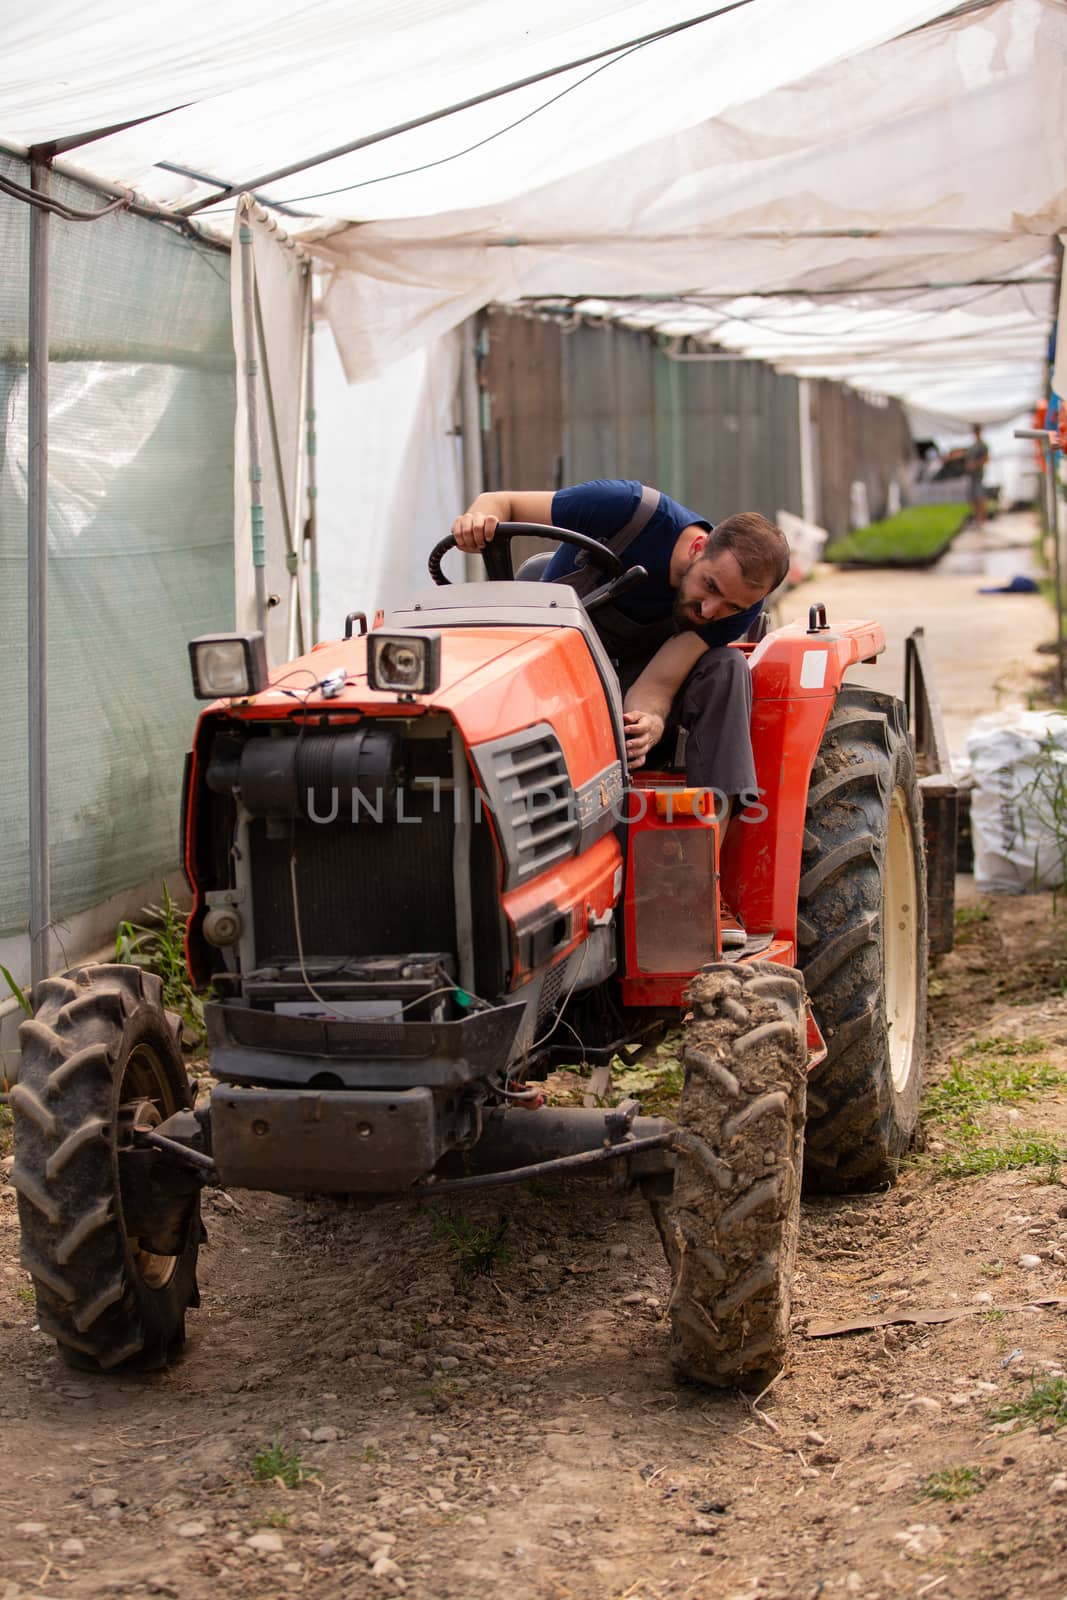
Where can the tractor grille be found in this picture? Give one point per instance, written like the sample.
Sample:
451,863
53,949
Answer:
529,788
364,891
377,887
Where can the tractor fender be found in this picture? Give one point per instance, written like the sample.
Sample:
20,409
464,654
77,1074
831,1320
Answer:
796,675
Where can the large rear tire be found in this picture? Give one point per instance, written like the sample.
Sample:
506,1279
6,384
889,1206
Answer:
729,1225
863,950
99,1057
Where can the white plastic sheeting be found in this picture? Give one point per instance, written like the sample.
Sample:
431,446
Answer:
877,197
390,478
826,153
247,87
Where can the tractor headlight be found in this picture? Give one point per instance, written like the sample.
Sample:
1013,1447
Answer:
228,666
404,663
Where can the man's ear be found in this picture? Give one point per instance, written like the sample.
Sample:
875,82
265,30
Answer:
698,544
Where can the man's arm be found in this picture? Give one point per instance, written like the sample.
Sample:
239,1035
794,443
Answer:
476,527
648,702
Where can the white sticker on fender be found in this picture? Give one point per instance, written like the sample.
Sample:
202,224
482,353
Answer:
813,669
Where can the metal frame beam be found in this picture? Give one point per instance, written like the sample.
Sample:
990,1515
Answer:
37,576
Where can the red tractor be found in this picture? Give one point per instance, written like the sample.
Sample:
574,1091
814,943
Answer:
421,877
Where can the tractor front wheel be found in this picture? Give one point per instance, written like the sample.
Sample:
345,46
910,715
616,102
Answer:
729,1223
110,1234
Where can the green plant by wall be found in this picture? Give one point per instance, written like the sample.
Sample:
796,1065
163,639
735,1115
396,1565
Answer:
158,945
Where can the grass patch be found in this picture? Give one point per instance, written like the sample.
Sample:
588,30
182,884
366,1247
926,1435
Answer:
26,1294
979,1078
994,1071
968,1160
1045,1402
158,946
967,916
476,1249
273,1463
916,535
998,1045
952,1483
6,1125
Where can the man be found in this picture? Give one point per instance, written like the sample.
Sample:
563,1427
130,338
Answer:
975,459
668,636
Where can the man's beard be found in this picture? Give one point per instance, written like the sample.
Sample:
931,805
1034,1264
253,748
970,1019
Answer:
686,619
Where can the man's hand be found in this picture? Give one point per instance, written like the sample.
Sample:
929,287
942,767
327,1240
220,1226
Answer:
474,529
643,729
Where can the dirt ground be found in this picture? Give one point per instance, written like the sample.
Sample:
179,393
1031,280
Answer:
519,1431
465,1434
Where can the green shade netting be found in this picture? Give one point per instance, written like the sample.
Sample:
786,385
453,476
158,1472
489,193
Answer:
140,540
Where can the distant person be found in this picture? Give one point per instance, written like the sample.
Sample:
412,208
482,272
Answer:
974,460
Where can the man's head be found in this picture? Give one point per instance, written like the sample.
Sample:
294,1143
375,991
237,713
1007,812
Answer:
716,575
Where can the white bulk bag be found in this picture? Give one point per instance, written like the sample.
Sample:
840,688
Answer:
1019,802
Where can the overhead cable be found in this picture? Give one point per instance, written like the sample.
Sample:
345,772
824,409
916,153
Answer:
19,191
461,105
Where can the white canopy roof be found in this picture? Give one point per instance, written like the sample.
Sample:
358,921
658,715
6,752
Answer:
860,191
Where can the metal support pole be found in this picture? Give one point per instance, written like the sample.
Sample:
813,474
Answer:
255,467
37,578
298,640
808,476
470,423
311,525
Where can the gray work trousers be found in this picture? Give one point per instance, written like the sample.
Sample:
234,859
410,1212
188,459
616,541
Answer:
714,707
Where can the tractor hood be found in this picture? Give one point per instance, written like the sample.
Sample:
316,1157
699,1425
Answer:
512,655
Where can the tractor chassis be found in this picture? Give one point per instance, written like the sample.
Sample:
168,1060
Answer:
364,1142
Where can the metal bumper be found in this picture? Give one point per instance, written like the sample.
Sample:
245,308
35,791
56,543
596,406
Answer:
375,1142
334,1141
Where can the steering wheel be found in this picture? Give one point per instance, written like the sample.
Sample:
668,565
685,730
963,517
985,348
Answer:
497,553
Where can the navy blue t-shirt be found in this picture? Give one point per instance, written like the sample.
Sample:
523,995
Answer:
603,506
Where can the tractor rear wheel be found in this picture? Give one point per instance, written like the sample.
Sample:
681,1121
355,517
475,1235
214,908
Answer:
862,935
110,1241
729,1224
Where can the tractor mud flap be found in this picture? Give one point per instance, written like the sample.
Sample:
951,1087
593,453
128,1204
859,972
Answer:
330,1141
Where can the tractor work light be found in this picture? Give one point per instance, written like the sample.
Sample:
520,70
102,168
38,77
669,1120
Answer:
404,663
228,666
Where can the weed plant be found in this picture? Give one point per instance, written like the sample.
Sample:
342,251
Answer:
952,1483
273,1463
1047,805
1046,1401
158,946
16,991
476,1249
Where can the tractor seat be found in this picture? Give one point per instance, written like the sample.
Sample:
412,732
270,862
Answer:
532,569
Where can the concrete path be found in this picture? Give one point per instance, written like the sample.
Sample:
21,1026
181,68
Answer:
981,646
